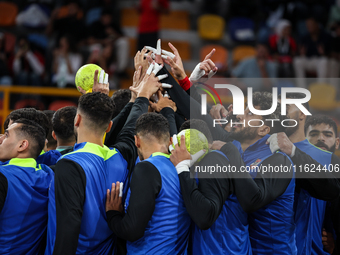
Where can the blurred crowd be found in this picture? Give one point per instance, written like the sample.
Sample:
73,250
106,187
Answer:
292,39
50,51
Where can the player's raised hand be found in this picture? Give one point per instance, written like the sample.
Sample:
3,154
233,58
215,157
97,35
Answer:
140,60
151,83
137,78
204,70
162,103
180,156
176,64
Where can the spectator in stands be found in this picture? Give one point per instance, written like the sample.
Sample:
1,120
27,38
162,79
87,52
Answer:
67,20
5,78
28,64
108,47
149,21
334,15
314,52
335,52
259,67
51,142
283,48
66,63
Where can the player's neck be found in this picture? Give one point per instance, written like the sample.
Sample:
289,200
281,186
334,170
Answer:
152,148
247,143
298,135
89,137
65,143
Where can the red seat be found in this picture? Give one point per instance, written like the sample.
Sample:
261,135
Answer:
56,105
29,103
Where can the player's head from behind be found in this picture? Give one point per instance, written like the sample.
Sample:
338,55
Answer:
63,126
52,143
200,125
120,98
22,139
252,127
321,131
94,114
294,113
30,114
152,134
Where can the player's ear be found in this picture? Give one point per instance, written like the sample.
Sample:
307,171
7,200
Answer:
23,145
137,141
109,127
170,142
77,120
302,116
264,130
54,136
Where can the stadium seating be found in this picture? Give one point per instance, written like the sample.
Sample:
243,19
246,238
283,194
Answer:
211,27
54,106
175,20
323,97
8,13
220,58
241,29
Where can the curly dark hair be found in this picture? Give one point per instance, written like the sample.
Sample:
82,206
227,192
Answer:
321,119
98,109
264,100
153,124
63,123
30,114
120,98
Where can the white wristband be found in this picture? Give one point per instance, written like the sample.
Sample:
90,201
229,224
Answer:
183,166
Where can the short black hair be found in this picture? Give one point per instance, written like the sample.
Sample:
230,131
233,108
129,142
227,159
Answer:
51,141
321,119
30,114
292,95
98,109
34,133
153,124
63,123
264,100
120,98
200,125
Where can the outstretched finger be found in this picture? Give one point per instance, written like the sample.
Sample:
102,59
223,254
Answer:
162,76
168,53
101,76
174,49
182,141
106,79
148,72
112,196
210,54
95,78
166,86
157,68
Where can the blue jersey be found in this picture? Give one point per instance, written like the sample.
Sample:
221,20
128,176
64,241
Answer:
168,229
49,158
229,233
102,167
271,228
23,219
309,211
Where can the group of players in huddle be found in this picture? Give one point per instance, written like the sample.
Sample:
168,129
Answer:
113,186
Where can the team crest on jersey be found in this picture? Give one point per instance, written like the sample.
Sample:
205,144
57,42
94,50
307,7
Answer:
255,164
